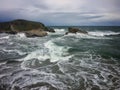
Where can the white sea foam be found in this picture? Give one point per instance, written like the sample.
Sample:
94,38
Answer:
57,52
103,33
38,54
43,88
34,57
58,31
14,50
4,37
87,36
21,35
1,63
49,51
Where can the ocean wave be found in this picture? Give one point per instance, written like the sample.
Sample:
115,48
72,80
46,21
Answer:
58,31
86,36
103,33
34,59
57,52
5,37
38,54
14,51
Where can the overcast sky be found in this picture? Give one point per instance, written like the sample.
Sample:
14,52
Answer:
62,12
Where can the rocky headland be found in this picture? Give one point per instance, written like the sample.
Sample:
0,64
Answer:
30,28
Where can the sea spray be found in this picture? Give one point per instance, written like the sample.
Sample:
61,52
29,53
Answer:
21,35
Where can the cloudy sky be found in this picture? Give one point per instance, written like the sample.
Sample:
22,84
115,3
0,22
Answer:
62,12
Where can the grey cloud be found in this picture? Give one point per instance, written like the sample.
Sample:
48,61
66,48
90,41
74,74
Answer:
67,18
64,12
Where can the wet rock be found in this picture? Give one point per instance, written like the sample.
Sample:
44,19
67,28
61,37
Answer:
30,28
36,33
66,33
12,61
75,30
11,32
51,30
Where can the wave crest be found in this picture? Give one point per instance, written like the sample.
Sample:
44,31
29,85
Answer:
103,33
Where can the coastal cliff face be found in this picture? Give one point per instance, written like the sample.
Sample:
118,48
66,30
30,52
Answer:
30,28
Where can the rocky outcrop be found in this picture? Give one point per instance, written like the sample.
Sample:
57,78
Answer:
75,30
51,30
30,28
35,33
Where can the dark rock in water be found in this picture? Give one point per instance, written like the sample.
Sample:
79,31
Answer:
29,27
66,33
10,32
51,30
75,30
12,61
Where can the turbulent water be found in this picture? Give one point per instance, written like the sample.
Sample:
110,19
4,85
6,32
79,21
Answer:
61,62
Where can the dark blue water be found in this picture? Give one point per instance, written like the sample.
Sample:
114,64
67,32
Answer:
61,62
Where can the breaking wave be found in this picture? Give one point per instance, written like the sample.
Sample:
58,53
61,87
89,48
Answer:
86,36
57,52
21,35
103,33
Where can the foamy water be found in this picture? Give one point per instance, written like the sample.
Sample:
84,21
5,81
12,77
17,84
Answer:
60,62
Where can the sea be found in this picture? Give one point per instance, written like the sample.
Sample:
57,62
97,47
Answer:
61,62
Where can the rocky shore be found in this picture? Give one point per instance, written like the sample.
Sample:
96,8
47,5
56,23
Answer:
30,28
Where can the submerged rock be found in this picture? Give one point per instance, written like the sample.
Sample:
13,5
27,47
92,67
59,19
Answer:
30,28
75,30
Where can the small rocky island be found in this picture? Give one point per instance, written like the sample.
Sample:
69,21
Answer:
30,28
75,30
